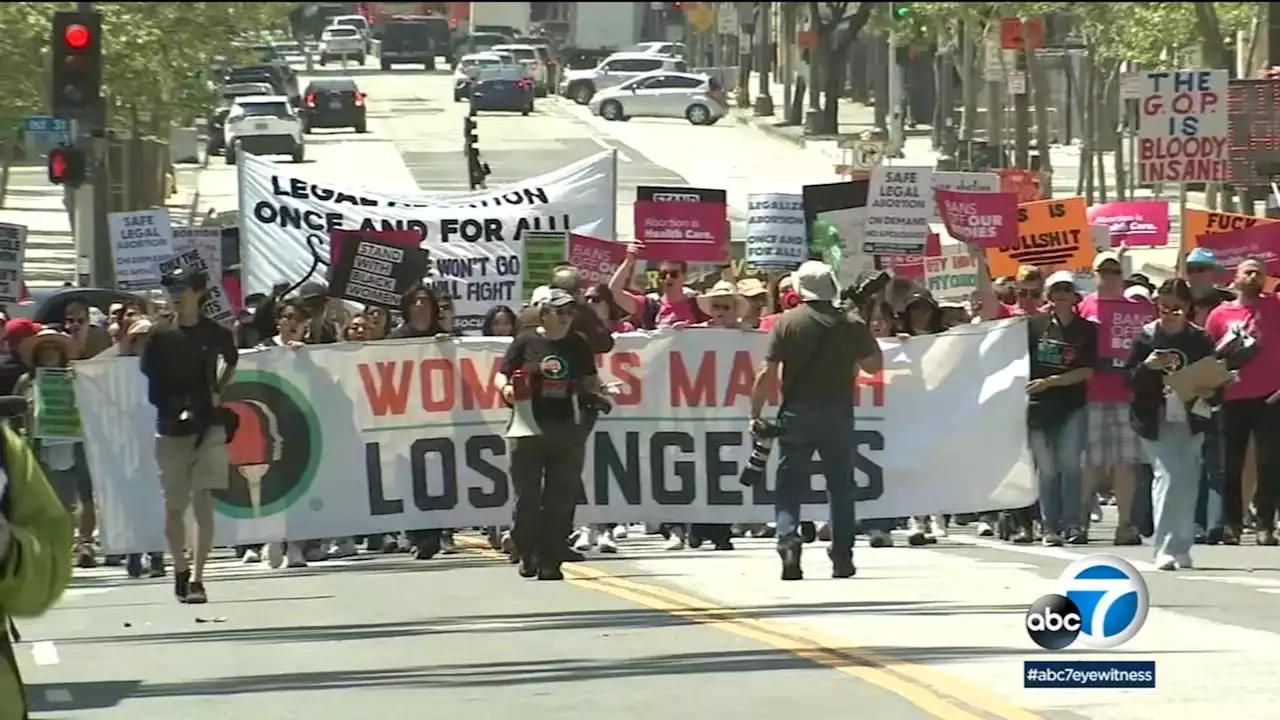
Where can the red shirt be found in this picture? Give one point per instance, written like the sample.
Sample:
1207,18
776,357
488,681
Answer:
1260,377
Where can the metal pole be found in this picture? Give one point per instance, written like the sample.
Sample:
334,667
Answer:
896,139
84,215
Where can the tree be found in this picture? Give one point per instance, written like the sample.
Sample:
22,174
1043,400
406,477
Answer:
837,25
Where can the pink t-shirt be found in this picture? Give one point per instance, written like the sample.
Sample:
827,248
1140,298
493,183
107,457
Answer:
766,322
1106,385
622,326
668,313
1260,377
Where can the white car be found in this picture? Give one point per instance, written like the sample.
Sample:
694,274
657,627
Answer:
528,56
341,41
657,47
614,70
665,94
356,21
264,125
469,68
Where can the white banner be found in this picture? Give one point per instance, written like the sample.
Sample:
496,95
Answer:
287,213
358,439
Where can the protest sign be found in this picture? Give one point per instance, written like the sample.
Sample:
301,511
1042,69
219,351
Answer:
1253,126
1259,241
977,182
208,240
980,219
844,206
216,306
374,271
140,241
1198,223
13,249
344,440
1135,223
543,251
55,413
899,208
776,239
1052,235
951,277
683,223
1119,321
289,211
596,258
1101,237
1021,182
911,267
1182,126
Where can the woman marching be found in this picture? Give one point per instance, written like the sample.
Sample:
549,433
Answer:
548,373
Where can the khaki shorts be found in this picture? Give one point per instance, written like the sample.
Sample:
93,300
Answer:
186,468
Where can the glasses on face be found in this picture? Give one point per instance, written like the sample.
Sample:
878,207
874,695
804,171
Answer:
1109,271
1166,309
668,274
721,307
75,321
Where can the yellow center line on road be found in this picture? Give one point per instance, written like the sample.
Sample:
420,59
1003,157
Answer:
933,691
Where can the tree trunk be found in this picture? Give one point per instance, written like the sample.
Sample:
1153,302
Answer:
1101,121
971,77
880,81
1084,182
833,85
1038,83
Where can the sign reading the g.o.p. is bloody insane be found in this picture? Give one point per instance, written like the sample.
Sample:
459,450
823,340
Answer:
1182,128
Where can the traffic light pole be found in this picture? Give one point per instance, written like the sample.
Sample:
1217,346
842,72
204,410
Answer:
896,139
89,224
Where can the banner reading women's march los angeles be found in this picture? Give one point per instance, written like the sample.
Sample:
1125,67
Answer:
356,439
287,213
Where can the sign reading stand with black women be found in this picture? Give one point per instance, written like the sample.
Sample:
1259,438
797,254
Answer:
374,270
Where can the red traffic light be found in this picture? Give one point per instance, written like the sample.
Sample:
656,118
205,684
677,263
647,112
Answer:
57,165
76,37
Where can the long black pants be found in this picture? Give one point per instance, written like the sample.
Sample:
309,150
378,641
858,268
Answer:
545,474
584,429
1240,420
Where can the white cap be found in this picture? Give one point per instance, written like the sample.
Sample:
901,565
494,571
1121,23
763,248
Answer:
1061,277
1106,256
540,295
1136,292
815,281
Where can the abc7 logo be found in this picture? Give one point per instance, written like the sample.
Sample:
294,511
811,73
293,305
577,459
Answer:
1103,604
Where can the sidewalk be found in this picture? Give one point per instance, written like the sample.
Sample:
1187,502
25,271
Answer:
33,201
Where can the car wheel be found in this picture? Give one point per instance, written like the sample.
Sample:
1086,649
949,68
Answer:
324,60
583,93
300,153
231,155
386,65
362,128
526,111
611,110
698,115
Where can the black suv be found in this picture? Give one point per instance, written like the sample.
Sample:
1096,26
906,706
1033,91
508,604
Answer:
333,103
415,40
278,75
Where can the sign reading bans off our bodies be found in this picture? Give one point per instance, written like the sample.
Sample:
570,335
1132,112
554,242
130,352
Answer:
343,440
474,239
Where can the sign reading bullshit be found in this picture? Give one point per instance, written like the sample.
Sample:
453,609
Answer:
372,271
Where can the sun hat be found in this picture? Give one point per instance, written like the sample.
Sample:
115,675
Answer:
752,287
815,282
723,289
48,336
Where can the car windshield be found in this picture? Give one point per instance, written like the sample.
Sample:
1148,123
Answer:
265,109
521,53
342,32
474,63
498,72
354,22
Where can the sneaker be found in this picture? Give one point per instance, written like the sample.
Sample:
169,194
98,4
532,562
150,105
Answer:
344,548
790,556
620,531
251,556
916,533
1183,561
584,539
1078,537
984,529
550,572
182,585
294,557
528,566
275,554
447,545
196,594
723,545
1166,562
84,557
315,552
133,566
938,527
676,539
1126,536
508,545
842,565
428,548
1053,539
879,539
157,565
605,544
494,538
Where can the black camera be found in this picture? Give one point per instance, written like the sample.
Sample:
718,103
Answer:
869,284
761,446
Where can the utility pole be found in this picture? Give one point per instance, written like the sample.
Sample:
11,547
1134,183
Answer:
896,139
1022,108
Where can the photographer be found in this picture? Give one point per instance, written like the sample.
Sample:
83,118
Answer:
820,349
183,383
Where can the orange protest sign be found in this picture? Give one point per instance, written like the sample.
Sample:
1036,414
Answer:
1052,235
1208,222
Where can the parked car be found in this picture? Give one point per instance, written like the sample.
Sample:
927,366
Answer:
469,68
264,125
333,103
339,42
582,85
217,121
528,56
696,98
278,75
657,47
481,41
502,88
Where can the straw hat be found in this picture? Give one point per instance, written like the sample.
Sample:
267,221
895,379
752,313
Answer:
27,348
752,287
723,289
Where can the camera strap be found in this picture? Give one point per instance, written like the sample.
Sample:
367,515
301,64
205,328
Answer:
804,368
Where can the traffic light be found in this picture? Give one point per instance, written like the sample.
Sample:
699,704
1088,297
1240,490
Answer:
901,11
469,133
66,166
77,64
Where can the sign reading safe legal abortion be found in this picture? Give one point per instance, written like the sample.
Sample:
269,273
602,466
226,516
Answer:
375,272
1183,128
682,223
899,208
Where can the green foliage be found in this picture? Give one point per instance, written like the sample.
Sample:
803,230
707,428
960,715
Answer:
156,55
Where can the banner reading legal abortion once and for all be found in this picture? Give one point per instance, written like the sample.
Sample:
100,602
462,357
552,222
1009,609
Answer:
357,439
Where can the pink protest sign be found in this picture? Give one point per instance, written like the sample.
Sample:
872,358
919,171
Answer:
596,258
988,220
911,266
1259,241
1118,322
1140,223
682,223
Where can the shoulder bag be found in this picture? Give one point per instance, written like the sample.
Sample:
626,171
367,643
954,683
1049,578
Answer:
771,430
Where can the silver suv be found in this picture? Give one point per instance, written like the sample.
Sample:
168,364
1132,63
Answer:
582,85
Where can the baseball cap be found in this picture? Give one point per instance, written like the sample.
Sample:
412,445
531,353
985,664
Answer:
814,281
1136,292
557,298
1061,277
1202,256
1105,257
540,295
19,329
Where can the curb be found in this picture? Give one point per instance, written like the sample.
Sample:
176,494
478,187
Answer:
761,124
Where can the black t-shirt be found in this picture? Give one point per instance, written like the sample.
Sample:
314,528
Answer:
407,331
181,365
555,369
1055,349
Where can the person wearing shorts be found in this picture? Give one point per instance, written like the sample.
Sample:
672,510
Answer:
183,383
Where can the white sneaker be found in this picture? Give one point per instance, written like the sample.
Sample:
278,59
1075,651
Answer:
605,544
916,532
585,538
294,557
1183,561
938,527
447,546
984,529
508,545
1166,562
275,553
250,557
676,541
344,548
620,531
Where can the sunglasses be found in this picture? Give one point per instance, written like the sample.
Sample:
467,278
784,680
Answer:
1109,271
1172,309
1025,293
665,274
722,307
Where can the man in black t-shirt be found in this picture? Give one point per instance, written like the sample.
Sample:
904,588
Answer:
183,383
546,374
